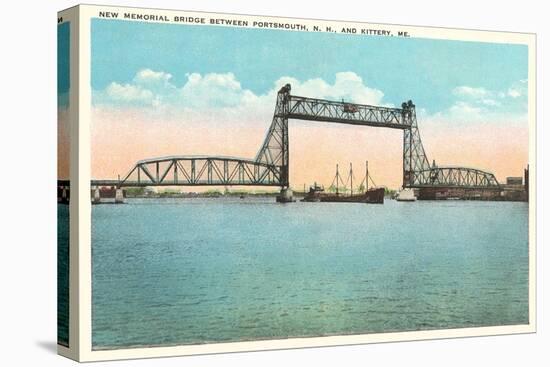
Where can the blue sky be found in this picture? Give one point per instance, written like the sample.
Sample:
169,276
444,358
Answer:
203,88
426,71
63,62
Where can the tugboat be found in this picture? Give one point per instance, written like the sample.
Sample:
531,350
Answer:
314,194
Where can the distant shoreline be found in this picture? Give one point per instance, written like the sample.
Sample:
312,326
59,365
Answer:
200,195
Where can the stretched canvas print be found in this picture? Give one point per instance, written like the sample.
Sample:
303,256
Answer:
236,183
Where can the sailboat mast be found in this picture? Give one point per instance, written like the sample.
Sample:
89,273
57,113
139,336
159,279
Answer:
367,176
337,175
351,177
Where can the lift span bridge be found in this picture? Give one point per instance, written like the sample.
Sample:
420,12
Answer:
270,167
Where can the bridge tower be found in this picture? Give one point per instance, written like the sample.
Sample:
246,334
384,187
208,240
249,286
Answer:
275,150
270,167
415,162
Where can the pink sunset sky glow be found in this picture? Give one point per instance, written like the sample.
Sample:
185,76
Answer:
467,134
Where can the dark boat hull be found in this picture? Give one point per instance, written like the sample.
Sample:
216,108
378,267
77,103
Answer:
373,196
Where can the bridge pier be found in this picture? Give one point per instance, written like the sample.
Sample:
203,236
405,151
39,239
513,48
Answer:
285,196
64,195
119,196
97,195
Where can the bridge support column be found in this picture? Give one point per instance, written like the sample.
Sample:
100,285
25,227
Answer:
285,196
119,196
64,195
96,199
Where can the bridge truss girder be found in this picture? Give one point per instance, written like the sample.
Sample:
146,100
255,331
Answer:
455,177
313,109
201,171
270,167
275,149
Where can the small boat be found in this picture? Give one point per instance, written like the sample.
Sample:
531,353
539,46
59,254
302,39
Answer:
406,194
314,194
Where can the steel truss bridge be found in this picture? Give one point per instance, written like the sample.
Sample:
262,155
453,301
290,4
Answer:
270,167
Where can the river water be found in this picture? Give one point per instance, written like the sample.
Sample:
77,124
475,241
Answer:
188,271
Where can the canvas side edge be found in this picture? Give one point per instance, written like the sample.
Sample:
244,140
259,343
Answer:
71,351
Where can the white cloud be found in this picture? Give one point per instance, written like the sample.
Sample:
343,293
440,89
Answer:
514,93
128,93
470,92
147,76
490,102
465,113
464,109
347,86
481,105
221,97
223,91
519,89
478,95
477,105
212,91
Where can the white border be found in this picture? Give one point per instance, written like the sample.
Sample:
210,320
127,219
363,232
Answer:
80,293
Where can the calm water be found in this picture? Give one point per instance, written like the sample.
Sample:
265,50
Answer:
63,274
187,271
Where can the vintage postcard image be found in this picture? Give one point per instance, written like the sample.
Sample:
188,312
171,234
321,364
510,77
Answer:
262,179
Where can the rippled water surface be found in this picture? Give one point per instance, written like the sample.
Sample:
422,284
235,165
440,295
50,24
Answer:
188,271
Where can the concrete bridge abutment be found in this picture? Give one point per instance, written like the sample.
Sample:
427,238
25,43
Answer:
96,198
286,196
119,196
116,193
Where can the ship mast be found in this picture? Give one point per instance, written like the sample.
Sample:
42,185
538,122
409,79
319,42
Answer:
367,176
337,176
351,177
